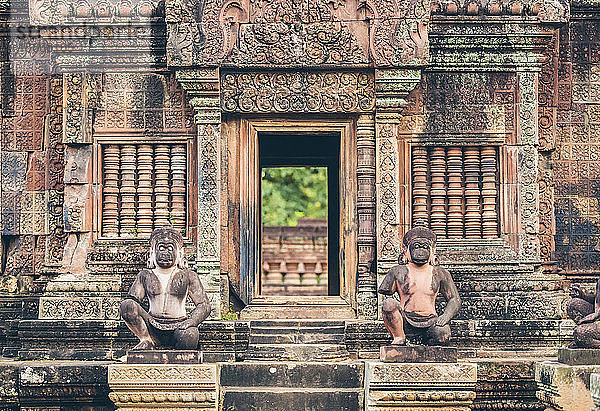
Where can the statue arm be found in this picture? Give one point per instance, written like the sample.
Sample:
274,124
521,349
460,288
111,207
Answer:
199,297
450,292
137,291
590,297
389,284
596,300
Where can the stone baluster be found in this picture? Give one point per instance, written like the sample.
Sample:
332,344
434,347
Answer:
161,185
472,193
489,192
456,227
178,186
274,276
437,161
145,191
110,212
292,277
308,276
128,191
419,178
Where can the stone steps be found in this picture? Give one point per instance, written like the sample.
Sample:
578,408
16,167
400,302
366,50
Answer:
292,386
296,340
296,352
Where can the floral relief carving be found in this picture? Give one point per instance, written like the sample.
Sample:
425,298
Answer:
258,32
314,92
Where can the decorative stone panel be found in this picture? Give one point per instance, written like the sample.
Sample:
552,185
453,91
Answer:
298,92
279,33
60,12
414,386
164,386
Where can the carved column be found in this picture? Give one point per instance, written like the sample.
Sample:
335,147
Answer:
203,88
393,218
367,280
81,91
527,179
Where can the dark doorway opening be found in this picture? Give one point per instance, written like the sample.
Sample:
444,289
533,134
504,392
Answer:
311,158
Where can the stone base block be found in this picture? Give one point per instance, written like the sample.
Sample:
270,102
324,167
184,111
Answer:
595,390
418,353
163,386
563,386
579,356
163,357
420,386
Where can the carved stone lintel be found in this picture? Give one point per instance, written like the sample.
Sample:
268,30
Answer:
298,92
302,34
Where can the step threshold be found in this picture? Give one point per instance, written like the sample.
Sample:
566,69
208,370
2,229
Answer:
272,389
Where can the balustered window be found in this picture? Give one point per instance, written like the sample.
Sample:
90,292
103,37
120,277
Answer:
144,187
455,190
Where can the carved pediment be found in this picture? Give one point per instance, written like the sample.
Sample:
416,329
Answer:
333,33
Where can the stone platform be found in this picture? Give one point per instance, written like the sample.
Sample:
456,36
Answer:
163,386
415,386
563,386
164,357
417,353
579,356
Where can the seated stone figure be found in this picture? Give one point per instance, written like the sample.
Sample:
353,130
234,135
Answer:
167,283
584,309
418,282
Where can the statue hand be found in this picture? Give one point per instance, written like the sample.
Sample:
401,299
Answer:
575,291
185,324
590,318
442,320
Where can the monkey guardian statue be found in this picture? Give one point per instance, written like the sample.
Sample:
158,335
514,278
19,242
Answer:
166,282
418,283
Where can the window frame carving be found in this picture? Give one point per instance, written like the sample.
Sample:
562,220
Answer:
116,138
430,203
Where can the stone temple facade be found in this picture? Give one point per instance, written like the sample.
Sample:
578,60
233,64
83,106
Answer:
480,118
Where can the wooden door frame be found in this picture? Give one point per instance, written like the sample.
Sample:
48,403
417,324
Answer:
242,187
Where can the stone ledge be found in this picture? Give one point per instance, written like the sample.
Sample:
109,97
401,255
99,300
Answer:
579,356
418,354
163,357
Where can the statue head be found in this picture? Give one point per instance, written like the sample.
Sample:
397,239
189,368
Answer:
166,249
419,244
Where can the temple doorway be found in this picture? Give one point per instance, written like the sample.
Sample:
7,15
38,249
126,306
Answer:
299,214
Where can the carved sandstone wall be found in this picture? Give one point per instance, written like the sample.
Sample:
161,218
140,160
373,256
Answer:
478,117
